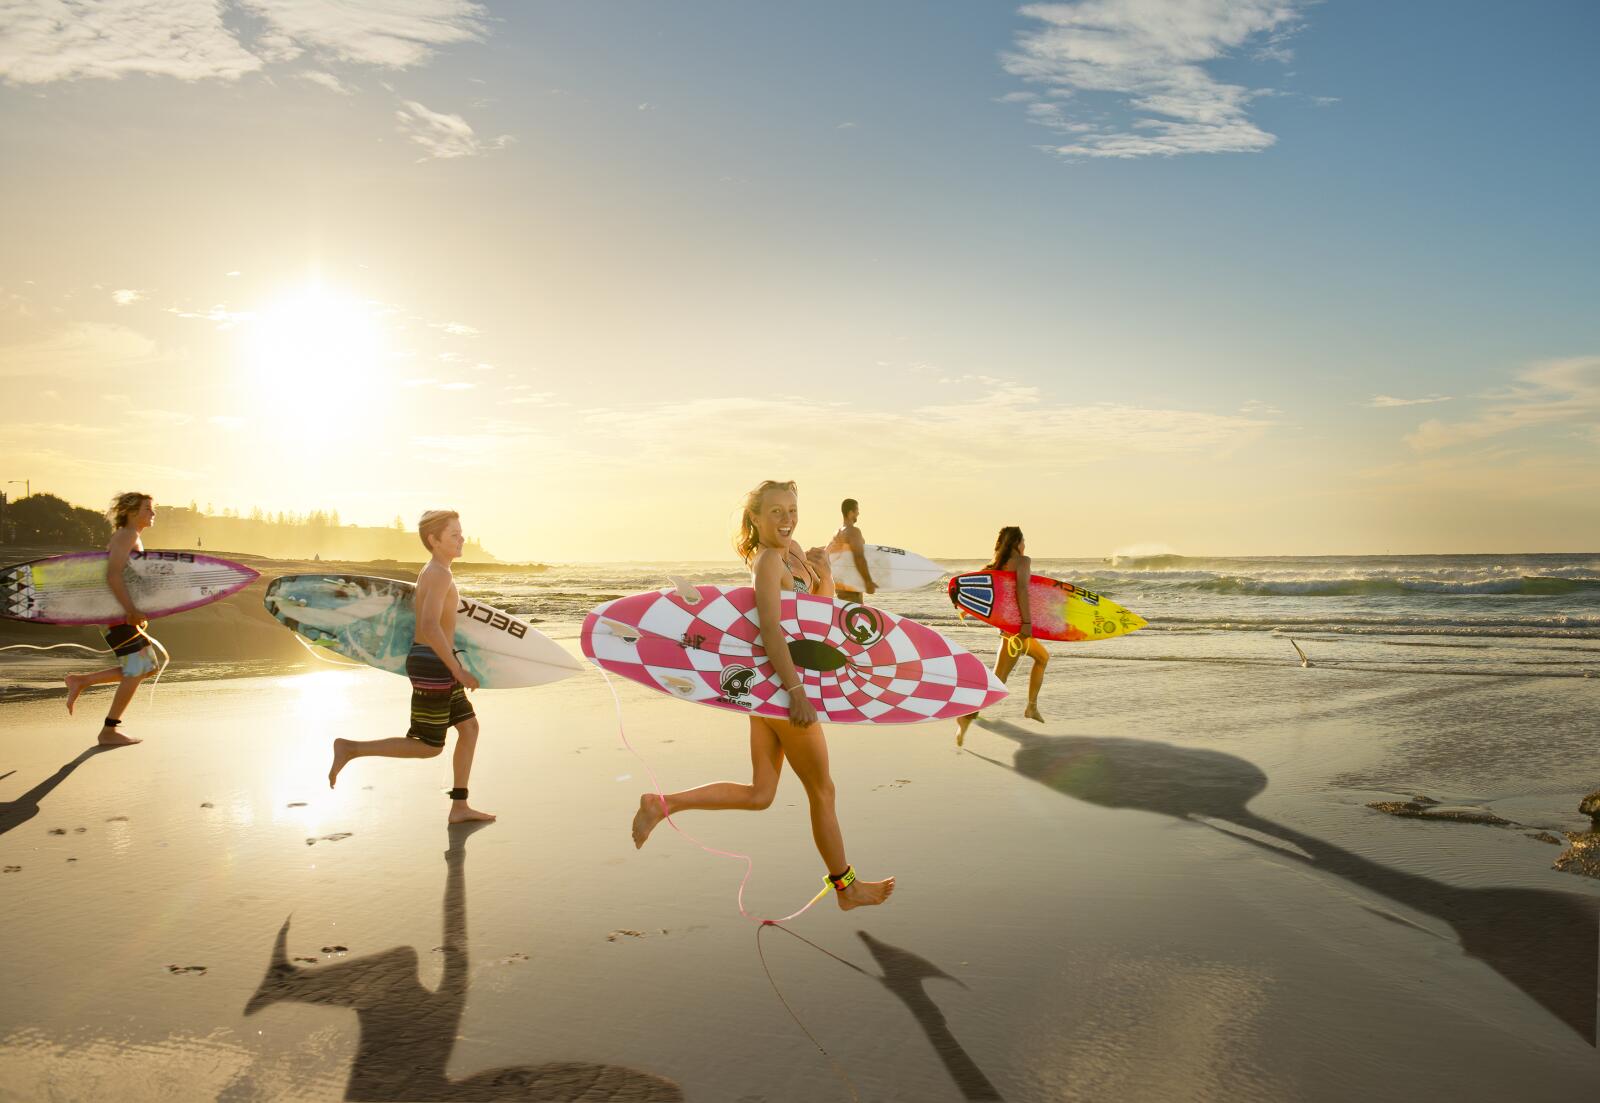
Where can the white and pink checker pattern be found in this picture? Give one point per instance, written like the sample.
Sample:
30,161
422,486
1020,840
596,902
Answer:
890,670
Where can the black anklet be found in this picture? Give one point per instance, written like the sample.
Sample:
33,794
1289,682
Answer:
457,794
110,723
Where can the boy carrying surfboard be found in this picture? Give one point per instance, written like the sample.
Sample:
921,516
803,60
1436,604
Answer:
439,682
130,514
849,538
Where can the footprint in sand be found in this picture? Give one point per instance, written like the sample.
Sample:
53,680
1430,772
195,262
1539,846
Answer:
58,831
335,837
296,804
201,969
512,959
614,935
336,949
118,819
309,960
12,869
79,830
72,859
207,804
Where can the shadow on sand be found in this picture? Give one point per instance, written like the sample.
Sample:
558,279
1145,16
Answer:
1546,943
408,1032
15,813
904,974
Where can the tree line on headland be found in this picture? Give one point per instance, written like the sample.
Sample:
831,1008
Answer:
44,520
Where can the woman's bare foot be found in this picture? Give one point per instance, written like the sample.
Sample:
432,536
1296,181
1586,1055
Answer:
74,687
1032,712
652,809
862,894
341,758
461,812
962,723
111,737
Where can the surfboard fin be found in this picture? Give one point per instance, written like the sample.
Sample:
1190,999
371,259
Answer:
626,632
685,588
1305,660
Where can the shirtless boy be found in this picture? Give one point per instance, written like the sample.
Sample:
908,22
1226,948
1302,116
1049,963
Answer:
439,683
848,538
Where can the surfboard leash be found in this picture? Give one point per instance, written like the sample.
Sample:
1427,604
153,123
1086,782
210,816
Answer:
655,785
166,656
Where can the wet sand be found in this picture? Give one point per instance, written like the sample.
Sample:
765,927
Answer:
1172,890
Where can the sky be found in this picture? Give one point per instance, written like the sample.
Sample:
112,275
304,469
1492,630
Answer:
1248,278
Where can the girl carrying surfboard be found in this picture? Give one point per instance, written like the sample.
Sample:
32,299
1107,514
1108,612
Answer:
1010,554
766,544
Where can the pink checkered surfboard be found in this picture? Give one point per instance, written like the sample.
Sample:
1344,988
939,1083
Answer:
860,665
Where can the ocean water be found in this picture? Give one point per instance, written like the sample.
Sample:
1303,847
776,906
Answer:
1534,615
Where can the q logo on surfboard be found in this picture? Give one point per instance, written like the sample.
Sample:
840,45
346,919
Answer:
736,686
861,624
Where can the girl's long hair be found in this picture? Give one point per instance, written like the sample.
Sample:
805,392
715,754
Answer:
1005,546
124,506
746,539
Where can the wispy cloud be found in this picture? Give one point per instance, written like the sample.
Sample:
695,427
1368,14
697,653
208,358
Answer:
50,40
396,34
443,135
326,80
1149,57
88,349
126,296
1045,435
1551,393
1385,401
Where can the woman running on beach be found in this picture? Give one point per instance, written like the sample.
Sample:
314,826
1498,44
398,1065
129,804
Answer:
765,543
1010,549
135,649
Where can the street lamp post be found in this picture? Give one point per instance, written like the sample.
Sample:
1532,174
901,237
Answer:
27,486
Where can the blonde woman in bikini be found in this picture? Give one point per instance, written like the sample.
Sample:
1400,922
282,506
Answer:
765,542
1010,554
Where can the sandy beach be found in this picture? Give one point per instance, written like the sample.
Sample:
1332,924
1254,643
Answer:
1122,903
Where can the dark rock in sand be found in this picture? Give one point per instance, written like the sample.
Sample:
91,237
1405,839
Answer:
1545,837
1583,856
1425,808
1590,806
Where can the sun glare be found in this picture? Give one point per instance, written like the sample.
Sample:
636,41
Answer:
318,336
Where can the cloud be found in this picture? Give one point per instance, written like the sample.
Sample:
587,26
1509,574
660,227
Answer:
220,314
50,40
1385,401
455,329
327,80
1554,392
396,34
126,296
1039,433
1149,55
442,135
88,349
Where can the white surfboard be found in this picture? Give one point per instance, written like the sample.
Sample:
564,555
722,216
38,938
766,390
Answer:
892,569
373,620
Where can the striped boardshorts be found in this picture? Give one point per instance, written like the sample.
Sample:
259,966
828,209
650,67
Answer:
438,701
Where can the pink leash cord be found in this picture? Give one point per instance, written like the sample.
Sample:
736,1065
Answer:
655,784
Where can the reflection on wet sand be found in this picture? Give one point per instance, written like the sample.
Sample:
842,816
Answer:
17,812
1546,943
903,974
407,1032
